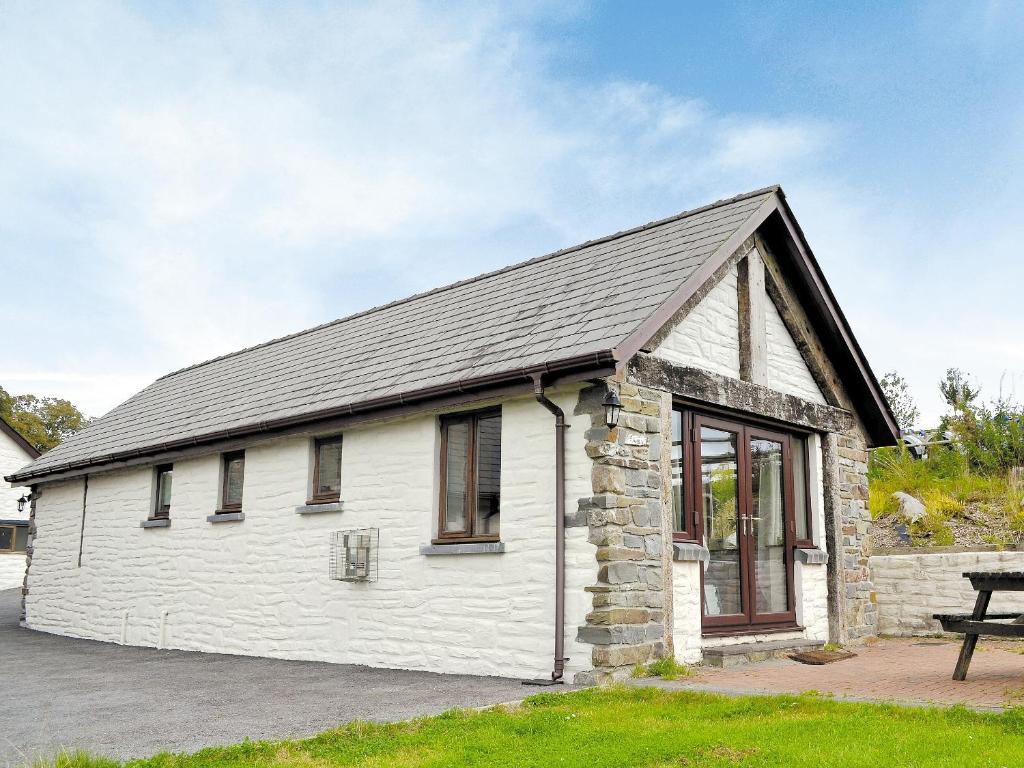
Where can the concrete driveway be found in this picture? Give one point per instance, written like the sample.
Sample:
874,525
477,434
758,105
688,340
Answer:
132,702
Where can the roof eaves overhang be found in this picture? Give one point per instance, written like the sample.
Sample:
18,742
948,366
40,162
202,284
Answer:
590,365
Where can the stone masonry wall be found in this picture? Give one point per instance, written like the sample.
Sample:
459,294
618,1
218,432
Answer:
625,513
914,586
860,611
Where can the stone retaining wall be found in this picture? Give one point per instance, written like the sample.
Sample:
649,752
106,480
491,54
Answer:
909,588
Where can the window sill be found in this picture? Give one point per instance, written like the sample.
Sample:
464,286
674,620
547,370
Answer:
226,517
156,522
690,553
317,507
469,548
811,556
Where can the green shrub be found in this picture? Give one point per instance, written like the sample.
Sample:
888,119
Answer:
932,530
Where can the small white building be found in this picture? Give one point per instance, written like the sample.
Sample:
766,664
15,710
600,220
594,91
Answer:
15,450
446,483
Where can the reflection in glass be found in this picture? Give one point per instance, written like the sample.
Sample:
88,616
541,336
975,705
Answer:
488,476
798,447
164,482
329,462
771,585
235,471
677,472
456,467
718,463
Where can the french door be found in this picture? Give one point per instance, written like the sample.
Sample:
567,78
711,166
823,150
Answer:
744,482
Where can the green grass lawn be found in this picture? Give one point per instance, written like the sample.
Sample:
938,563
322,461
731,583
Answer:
602,728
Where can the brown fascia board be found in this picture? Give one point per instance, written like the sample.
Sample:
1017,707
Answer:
594,364
877,416
24,444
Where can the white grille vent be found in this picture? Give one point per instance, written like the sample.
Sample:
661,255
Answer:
354,555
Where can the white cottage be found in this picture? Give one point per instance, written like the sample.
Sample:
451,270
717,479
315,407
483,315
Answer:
15,450
447,483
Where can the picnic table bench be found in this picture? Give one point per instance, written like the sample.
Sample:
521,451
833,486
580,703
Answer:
981,622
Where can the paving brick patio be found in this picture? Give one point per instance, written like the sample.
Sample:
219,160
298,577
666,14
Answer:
908,670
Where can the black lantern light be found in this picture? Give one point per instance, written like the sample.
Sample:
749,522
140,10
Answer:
21,503
612,409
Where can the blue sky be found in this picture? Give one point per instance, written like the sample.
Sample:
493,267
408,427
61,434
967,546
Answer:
177,181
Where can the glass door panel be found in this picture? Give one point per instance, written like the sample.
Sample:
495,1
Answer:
719,475
768,527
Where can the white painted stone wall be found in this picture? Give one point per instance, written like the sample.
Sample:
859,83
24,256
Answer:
686,612
787,371
12,570
709,336
261,586
910,588
12,458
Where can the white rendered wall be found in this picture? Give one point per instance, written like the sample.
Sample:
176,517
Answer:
12,458
261,586
686,612
709,336
787,371
12,570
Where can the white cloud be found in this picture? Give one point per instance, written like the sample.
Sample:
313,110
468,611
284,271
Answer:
183,184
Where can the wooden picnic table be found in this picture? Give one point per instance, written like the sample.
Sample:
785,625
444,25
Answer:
981,622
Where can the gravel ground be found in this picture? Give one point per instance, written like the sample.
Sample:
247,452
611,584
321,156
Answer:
132,702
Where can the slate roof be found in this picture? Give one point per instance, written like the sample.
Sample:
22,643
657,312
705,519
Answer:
575,304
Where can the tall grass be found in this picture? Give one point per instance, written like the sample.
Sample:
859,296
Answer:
948,486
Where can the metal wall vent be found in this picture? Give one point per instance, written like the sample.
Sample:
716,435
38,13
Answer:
354,555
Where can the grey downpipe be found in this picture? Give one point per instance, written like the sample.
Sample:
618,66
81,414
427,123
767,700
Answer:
560,427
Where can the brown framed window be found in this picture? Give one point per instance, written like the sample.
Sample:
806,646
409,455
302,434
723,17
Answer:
13,537
326,470
234,476
683,526
470,504
162,502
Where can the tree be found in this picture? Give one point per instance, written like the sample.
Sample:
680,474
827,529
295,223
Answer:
901,402
43,421
957,391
